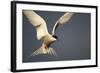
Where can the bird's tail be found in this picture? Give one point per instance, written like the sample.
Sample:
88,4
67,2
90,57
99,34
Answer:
43,50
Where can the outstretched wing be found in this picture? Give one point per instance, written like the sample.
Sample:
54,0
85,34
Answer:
62,20
38,22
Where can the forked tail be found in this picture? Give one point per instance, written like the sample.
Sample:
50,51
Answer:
43,50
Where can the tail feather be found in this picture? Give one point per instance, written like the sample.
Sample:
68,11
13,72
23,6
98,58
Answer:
51,51
42,50
39,51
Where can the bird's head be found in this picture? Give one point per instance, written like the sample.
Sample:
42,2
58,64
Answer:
54,36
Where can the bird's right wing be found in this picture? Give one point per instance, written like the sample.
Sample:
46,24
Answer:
38,22
62,20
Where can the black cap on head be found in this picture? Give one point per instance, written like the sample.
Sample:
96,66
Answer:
55,36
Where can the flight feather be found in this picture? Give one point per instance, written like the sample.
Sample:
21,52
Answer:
62,20
38,22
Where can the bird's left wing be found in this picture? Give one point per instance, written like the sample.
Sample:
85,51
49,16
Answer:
62,20
38,22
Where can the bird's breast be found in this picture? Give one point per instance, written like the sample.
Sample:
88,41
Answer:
48,39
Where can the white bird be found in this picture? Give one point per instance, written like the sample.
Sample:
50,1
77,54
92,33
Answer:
42,33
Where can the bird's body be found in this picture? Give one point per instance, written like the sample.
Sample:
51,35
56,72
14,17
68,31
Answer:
47,39
42,33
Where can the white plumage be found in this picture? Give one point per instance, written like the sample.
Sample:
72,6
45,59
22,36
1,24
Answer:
42,33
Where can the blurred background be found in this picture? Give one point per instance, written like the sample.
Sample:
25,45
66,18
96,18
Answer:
74,38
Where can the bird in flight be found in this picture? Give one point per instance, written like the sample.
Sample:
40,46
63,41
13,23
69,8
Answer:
42,32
